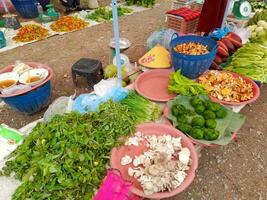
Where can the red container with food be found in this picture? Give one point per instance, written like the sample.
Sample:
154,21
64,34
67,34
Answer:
249,90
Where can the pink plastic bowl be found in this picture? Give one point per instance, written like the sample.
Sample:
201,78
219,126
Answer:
256,92
33,65
153,129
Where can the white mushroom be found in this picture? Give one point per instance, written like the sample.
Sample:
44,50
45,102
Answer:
171,165
175,184
184,155
131,171
132,141
158,168
148,185
180,176
126,160
153,170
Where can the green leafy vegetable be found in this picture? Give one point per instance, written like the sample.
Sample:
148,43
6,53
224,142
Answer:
181,85
250,60
143,109
144,3
67,157
105,13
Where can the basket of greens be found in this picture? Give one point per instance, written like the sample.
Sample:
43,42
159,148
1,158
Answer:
204,121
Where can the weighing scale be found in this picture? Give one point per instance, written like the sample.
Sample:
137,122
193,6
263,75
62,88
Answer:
10,19
242,9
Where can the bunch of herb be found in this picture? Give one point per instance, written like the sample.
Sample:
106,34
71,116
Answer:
67,157
105,14
143,109
144,3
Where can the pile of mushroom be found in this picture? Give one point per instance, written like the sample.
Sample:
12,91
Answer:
162,167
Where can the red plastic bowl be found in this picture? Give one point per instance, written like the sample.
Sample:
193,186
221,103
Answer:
33,65
256,92
153,129
168,122
153,85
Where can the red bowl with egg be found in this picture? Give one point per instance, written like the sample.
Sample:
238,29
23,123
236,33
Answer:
153,129
255,90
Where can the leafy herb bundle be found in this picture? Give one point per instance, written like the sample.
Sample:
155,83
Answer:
105,14
144,3
143,109
67,157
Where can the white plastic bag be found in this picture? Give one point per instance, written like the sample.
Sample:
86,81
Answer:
244,33
60,106
104,86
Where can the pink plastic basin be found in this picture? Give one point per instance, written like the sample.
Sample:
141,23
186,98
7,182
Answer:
153,129
33,65
153,85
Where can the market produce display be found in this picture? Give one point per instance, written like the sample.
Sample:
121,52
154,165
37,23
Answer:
258,17
162,166
144,3
31,32
191,48
143,109
259,29
226,86
205,121
68,23
105,13
67,157
258,5
179,84
227,46
250,60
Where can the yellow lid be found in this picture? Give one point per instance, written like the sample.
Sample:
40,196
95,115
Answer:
158,58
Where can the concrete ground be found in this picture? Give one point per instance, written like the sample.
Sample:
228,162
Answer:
236,171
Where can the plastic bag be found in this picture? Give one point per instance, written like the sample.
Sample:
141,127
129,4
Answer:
115,187
244,33
86,103
60,106
104,86
90,102
162,37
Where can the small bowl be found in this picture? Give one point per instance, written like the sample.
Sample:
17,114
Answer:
33,77
8,80
123,43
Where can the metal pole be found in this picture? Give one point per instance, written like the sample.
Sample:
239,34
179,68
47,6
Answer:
116,38
226,13
5,7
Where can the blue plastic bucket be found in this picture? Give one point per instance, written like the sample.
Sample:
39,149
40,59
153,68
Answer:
192,66
26,8
31,102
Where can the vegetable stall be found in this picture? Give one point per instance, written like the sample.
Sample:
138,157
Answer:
142,140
